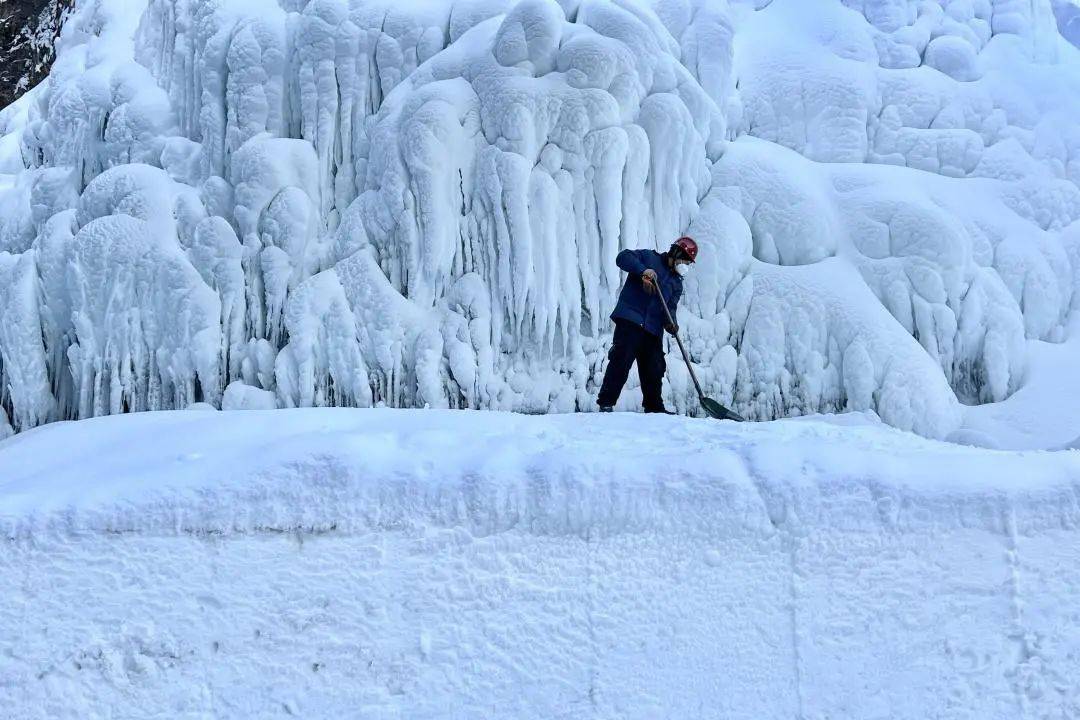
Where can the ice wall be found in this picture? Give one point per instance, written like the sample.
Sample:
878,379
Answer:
421,204
329,563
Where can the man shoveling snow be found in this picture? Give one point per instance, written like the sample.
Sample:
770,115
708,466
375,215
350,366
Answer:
640,321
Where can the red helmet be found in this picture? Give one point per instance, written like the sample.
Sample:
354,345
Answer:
688,246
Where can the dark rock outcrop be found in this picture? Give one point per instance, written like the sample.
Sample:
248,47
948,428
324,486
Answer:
28,32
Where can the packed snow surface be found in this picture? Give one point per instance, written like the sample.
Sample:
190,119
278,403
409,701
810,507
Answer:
356,203
327,563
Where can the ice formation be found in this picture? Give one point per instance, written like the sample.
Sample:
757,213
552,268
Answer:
355,203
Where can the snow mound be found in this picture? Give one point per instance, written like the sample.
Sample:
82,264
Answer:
420,204
405,563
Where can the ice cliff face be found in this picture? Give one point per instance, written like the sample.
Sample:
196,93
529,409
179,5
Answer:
420,203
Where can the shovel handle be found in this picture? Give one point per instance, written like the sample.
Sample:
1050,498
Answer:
686,358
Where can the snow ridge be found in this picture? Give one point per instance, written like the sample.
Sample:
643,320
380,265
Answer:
316,561
365,203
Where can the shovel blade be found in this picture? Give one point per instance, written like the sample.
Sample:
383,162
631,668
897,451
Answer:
718,411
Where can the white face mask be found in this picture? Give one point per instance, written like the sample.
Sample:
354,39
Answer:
682,269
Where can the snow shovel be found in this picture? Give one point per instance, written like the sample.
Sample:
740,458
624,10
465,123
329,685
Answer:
711,407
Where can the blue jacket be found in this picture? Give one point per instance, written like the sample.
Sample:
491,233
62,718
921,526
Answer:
636,305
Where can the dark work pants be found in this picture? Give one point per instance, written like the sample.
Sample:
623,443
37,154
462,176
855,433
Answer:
633,342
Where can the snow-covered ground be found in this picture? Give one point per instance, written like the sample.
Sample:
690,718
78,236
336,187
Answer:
329,563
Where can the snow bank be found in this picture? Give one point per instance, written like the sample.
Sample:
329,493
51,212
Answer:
1042,414
420,204
395,563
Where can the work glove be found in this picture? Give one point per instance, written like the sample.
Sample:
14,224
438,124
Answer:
672,328
648,281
